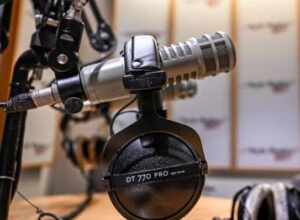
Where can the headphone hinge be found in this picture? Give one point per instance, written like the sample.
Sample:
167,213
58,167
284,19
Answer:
203,167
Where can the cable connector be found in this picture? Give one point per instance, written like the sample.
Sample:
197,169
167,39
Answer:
18,103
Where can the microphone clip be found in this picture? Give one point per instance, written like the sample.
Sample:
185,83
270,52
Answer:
142,65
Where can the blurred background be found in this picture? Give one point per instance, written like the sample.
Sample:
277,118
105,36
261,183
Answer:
248,120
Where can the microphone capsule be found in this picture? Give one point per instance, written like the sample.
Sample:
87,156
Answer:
198,57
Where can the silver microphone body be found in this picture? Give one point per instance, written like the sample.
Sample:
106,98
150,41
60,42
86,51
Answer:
195,58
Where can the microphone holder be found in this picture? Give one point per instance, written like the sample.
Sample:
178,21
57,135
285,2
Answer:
42,42
143,74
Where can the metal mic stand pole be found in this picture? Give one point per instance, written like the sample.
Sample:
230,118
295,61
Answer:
13,134
48,49
12,142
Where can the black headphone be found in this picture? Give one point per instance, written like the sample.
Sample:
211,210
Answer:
267,202
85,153
155,168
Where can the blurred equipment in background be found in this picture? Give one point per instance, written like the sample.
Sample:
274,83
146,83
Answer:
85,153
5,17
266,202
103,40
55,44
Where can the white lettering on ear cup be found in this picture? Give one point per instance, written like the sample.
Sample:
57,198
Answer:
280,200
255,199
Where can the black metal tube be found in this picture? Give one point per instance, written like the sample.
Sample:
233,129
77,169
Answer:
96,11
12,142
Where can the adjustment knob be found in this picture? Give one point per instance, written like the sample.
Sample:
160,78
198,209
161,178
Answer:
73,105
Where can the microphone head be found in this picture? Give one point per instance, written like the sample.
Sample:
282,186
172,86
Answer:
198,57
218,52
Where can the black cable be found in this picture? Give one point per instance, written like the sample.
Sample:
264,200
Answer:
129,111
102,58
60,109
104,110
72,214
39,211
111,129
90,189
235,199
107,118
48,214
85,203
18,171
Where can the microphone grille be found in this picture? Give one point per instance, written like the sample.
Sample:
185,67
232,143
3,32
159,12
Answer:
198,57
218,53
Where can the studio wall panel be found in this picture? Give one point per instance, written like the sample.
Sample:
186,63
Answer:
209,111
268,90
133,17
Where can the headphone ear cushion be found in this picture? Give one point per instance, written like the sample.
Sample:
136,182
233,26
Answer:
260,194
280,201
150,160
293,200
242,201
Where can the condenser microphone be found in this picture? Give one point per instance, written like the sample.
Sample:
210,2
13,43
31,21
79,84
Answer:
195,58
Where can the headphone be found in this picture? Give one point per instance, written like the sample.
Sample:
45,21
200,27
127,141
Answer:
267,202
84,152
155,168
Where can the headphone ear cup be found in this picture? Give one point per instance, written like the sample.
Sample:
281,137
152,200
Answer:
146,165
69,146
280,201
85,153
99,144
93,150
82,152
